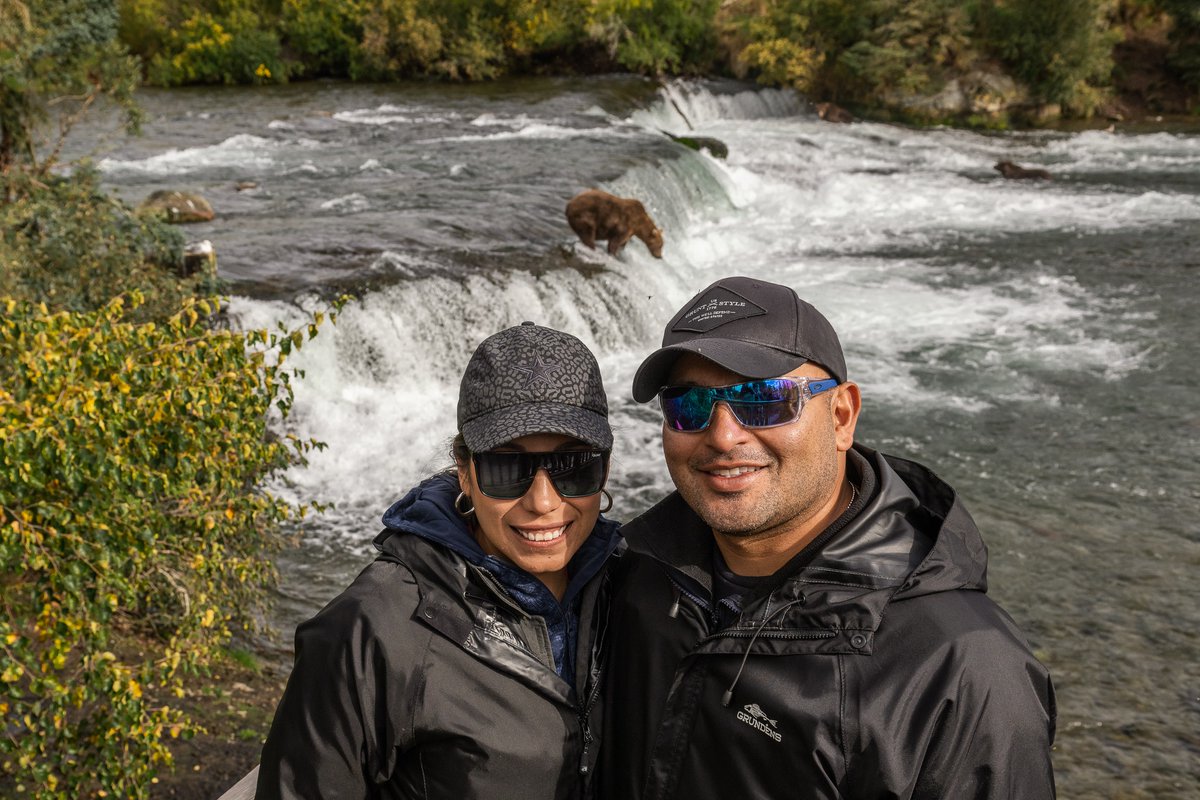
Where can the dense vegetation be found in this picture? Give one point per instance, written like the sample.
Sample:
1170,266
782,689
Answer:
861,52
134,440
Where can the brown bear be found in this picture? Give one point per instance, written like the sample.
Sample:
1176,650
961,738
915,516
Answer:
831,112
1013,172
594,214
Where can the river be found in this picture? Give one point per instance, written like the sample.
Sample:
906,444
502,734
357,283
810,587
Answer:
1036,343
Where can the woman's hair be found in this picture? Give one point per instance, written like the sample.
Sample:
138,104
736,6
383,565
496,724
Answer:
459,450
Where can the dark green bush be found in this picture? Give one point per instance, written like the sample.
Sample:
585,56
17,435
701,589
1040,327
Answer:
75,247
657,36
321,36
857,51
229,49
1061,50
1185,39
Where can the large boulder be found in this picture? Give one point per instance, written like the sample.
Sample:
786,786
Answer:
979,92
179,207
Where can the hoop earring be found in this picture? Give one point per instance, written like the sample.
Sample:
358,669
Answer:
469,511
609,497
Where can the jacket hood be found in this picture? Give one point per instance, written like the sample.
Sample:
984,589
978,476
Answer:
907,535
428,511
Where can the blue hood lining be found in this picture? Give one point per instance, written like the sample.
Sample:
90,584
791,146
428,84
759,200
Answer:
428,512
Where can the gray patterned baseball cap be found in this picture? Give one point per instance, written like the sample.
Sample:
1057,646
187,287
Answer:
528,379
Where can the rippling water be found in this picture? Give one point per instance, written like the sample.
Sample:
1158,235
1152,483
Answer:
1036,343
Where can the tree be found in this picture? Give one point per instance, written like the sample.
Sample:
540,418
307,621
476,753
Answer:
57,57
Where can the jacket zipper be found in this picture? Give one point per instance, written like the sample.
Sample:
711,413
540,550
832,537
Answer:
741,633
584,713
738,633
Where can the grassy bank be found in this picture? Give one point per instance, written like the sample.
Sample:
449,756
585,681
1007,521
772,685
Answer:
233,706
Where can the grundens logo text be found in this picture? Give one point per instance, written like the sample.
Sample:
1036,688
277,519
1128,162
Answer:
756,718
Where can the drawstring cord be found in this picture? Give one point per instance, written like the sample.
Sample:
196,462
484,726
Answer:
728,696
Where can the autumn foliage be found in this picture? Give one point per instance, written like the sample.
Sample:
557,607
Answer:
132,456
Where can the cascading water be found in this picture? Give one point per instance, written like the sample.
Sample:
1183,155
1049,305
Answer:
1033,342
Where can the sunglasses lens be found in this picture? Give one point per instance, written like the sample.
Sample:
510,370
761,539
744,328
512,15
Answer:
686,408
764,404
577,474
756,404
503,475
574,473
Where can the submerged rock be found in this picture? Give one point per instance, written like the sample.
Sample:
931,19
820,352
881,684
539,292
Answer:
715,147
179,207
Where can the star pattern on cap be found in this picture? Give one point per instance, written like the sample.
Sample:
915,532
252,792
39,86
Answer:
539,371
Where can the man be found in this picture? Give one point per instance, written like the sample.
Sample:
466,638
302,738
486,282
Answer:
804,617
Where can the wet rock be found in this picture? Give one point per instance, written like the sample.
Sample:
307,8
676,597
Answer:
179,207
199,257
242,186
715,147
979,92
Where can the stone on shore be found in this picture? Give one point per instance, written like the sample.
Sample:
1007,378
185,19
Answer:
179,207
199,257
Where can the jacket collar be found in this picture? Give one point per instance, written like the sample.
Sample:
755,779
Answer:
428,511
912,536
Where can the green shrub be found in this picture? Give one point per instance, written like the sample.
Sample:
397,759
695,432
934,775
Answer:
321,35
208,49
1184,38
857,51
397,40
657,36
60,50
75,247
131,456
1062,50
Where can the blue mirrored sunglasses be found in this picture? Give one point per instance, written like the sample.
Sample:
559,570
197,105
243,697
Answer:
755,404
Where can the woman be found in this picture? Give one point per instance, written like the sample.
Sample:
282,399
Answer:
460,663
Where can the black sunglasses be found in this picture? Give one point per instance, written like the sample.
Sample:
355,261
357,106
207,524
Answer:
508,475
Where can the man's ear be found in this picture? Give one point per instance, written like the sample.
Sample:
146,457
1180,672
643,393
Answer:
846,405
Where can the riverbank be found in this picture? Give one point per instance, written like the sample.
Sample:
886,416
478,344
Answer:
234,705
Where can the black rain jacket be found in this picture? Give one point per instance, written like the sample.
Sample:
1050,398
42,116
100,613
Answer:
876,667
425,679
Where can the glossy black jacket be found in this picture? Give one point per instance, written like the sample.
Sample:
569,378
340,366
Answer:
879,669
425,679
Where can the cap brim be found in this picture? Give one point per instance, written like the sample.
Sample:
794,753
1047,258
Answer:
505,424
745,358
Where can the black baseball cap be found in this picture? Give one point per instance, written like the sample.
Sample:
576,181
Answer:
528,379
754,328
